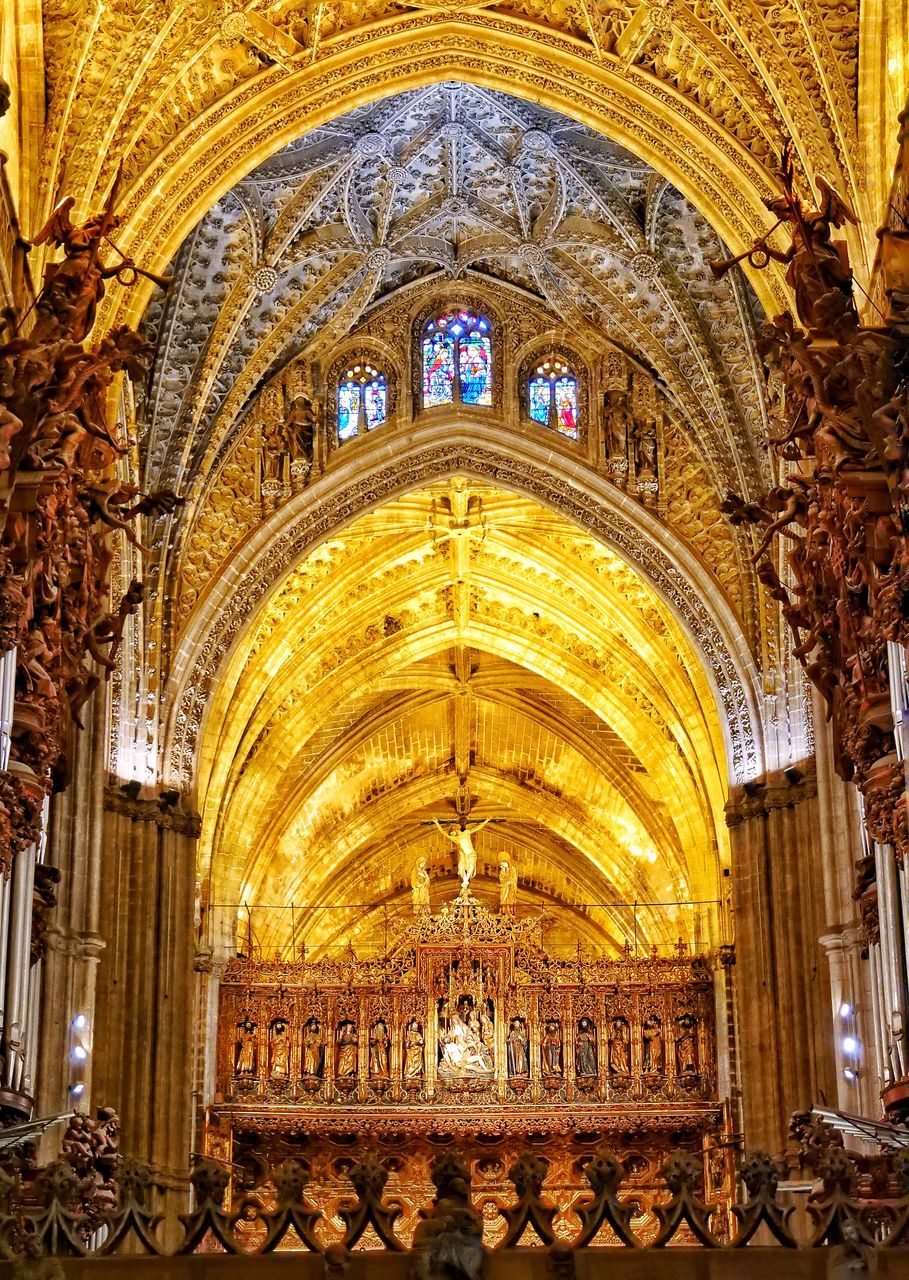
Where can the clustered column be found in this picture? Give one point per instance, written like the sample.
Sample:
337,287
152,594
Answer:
20,977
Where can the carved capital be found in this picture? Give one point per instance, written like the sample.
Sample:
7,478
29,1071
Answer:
759,799
167,817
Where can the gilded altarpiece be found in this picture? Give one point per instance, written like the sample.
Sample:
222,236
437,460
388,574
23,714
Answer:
467,1031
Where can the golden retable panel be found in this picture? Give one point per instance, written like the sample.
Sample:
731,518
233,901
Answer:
467,1028
466,1009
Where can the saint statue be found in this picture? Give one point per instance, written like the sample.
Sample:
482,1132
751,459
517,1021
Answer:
618,1048
487,1031
585,1049
279,1050
272,455
645,448
508,887
313,1049
552,1049
379,1046
686,1046
653,1047
347,1050
419,883
413,1051
246,1048
518,1061
615,423
461,836
299,427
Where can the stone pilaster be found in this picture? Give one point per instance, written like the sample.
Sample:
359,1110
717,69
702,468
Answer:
146,981
74,939
782,980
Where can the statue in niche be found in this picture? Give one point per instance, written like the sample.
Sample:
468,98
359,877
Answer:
653,1046
347,1050
462,1053
552,1048
279,1050
645,448
585,1049
379,1051
313,1049
419,887
298,430
615,423
619,1048
461,836
272,457
487,1031
246,1052
414,1041
508,887
518,1057
686,1046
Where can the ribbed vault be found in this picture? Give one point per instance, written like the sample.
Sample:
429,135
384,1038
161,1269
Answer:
463,651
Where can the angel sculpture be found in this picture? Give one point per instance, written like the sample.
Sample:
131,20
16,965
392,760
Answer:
73,288
818,267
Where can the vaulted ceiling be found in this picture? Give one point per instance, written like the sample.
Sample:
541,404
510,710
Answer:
463,650
450,181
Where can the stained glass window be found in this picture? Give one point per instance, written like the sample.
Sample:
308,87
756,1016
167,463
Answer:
438,369
457,341
362,401
552,397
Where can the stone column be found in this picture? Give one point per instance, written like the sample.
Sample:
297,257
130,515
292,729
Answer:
144,1050
74,942
781,977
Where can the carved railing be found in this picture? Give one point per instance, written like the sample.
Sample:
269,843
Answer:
277,1213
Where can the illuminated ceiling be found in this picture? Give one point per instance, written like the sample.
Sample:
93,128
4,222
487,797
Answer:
463,635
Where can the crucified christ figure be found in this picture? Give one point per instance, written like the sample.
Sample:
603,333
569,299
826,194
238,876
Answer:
461,837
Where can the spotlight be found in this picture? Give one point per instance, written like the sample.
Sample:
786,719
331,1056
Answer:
850,1074
754,788
793,775
80,1022
850,1044
80,1053
131,789
169,798
846,1010
77,1090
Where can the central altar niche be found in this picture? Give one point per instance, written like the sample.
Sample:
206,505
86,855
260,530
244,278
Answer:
469,1009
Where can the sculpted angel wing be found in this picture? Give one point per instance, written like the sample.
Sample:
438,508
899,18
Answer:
833,206
58,225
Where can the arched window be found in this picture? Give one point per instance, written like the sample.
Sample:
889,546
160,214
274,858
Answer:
362,401
457,360
552,397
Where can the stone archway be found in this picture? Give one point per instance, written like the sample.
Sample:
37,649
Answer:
524,466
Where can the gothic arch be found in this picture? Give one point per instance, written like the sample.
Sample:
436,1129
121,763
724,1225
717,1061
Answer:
480,451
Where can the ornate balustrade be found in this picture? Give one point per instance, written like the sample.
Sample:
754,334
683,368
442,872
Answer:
59,1214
